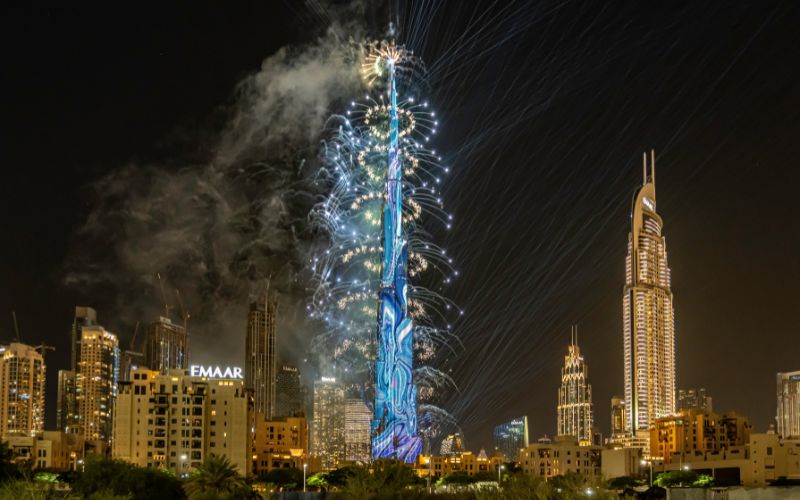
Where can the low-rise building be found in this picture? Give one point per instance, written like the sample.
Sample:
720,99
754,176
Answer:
280,444
174,421
51,450
560,456
764,459
697,431
467,462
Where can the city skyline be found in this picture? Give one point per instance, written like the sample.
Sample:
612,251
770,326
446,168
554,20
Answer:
544,233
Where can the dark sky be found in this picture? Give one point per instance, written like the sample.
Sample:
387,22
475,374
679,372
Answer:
546,109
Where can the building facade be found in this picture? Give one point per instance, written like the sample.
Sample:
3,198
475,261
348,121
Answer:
280,444
22,377
84,316
328,427
96,383
174,421
466,462
575,416
357,422
788,416
696,431
260,354
560,456
618,427
511,437
648,316
165,346
66,416
694,398
51,450
761,461
290,396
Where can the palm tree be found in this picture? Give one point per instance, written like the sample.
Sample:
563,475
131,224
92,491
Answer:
217,476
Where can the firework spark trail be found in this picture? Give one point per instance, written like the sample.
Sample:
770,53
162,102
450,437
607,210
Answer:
547,259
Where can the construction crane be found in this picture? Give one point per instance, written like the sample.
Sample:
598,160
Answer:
184,313
133,339
16,327
167,307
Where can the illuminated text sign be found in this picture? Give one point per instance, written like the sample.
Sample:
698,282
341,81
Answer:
215,371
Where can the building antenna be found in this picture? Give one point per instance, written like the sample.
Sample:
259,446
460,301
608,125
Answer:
653,166
16,327
644,168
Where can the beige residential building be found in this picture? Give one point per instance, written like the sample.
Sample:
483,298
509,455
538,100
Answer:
22,374
174,421
764,459
96,384
560,456
648,317
52,450
437,466
280,444
697,431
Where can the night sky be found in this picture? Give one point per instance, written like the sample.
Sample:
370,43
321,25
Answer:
110,116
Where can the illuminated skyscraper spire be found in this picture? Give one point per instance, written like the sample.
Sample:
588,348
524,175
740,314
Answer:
575,396
648,316
395,424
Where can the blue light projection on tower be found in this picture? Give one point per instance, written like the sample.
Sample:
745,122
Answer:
378,190
394,433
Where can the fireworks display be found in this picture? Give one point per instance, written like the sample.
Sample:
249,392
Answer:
376,237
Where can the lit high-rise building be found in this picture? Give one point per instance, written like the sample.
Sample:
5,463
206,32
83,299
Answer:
96,383
511,437
22,374
84,316
357,421
327,432
575,416
648,317
289,393
66,415
789,405
165,346
259,367
693,398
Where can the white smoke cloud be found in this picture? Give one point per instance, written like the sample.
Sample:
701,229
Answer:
218,231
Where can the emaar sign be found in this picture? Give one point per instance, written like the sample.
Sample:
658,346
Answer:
216,371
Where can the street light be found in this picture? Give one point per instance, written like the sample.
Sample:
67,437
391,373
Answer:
305,468
686,467
499,470
650,463
183,466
